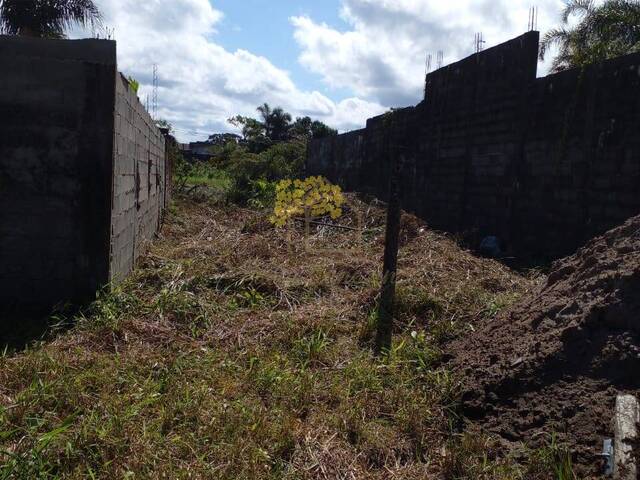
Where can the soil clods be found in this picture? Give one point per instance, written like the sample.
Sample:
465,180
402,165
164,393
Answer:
554,363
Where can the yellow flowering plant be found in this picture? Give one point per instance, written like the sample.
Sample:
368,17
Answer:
311,197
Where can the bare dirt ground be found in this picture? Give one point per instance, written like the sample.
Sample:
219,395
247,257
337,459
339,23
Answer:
555,362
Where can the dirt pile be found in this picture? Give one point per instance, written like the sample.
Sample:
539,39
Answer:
554,363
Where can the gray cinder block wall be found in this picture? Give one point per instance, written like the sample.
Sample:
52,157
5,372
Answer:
139,190
64,111
543,163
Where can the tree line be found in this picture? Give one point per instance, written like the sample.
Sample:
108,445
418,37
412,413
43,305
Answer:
277,126
270,148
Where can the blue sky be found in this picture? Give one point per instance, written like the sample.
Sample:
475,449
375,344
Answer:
339,61
238,29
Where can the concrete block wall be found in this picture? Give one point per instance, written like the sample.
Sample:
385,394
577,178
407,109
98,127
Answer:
579,173
545,164
139,189
56,119
59,177
468,136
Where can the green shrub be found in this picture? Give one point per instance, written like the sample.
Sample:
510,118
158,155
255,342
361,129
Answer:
254,175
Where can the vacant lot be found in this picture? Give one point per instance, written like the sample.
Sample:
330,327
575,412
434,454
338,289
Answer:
233,353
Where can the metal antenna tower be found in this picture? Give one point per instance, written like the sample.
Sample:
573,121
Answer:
154,97
533,19
440,59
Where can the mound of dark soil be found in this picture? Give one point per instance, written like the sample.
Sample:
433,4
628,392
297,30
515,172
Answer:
555,362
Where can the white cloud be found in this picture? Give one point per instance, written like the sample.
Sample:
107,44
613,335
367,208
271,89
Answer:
377,58
381,56
201,84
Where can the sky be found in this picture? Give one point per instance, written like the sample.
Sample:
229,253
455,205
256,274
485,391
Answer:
338,61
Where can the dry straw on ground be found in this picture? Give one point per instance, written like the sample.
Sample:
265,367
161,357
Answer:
229,354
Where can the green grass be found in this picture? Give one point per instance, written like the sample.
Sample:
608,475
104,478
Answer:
205,175
213,180
226,355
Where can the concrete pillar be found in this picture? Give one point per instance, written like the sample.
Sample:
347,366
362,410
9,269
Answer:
625,425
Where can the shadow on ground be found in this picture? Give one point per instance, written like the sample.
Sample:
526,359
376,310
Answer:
19,330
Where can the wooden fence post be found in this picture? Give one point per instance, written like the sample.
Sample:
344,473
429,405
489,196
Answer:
391,243
307,227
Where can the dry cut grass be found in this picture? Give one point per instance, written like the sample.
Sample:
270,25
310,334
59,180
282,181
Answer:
232,353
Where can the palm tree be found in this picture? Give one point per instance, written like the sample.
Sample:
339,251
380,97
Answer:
46,18
603,31
276,122
265,112
279,123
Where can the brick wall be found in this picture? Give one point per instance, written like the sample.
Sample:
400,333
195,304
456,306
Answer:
64,157
543,163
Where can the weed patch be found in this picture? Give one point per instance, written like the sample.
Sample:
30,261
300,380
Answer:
230,353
